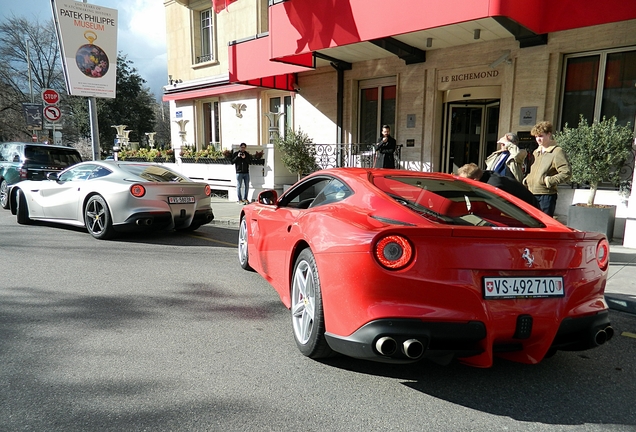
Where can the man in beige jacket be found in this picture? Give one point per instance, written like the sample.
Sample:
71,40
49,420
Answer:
550,168
508,159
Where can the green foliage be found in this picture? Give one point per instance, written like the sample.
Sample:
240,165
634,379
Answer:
597,152
210,153
298,153
149,154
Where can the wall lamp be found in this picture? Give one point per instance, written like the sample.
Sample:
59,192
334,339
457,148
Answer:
504,58
174,82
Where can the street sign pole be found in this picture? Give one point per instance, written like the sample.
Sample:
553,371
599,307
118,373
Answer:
92,111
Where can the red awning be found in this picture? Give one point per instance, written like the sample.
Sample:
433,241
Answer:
250,60
219,5
205,92
304,26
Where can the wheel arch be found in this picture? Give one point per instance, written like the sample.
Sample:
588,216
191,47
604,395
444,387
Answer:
300,246
13,200
88,197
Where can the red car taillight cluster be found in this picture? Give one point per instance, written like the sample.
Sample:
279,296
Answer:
208,190
137,190
393,252
24,173
602,254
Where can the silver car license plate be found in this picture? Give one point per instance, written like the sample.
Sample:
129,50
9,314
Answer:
181,200
523,287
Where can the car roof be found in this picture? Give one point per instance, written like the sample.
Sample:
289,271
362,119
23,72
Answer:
32,144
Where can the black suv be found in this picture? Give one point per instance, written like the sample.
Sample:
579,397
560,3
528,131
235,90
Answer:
30,161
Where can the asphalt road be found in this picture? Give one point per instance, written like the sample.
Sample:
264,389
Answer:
167,333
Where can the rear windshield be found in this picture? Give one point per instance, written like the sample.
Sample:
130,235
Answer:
52,155
154,173
455,202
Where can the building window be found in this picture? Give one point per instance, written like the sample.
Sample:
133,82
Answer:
211,123
263,16
377,108
286,121
206,51
597,85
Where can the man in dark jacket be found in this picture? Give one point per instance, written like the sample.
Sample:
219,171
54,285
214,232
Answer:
507,184
241,160
384,149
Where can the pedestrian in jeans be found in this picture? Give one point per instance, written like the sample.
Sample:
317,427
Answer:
241,160
550,168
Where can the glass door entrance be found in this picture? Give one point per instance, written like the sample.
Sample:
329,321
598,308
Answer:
471,134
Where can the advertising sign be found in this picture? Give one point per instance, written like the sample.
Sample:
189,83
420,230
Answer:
33,115
87,35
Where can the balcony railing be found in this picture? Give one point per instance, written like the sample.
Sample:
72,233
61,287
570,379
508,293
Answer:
348,155
203,58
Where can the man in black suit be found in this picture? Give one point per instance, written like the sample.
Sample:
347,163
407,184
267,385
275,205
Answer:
507,184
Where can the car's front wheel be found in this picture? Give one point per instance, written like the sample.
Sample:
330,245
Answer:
97,218
308,320
4,194
242,245
22,210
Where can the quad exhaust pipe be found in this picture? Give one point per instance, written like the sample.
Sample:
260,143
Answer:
603,335
413,348
387,346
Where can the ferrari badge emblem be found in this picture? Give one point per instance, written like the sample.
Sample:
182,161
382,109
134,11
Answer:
529,258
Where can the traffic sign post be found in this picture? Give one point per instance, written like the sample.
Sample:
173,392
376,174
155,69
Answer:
50,96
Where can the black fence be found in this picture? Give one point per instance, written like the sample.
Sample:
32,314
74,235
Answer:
348,155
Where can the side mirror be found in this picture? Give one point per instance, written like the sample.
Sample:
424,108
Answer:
52,176
268,197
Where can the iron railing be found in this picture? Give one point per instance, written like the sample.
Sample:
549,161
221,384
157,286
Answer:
348,155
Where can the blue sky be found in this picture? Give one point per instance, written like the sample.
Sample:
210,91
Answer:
141,33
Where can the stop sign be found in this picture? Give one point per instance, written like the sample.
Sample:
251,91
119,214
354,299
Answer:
50,96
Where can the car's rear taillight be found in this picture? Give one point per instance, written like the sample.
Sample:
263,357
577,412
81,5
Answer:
602,254
393,252
24,173
137,190
208,190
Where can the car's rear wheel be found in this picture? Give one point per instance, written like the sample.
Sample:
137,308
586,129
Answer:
97,218
308,320
242,246
4,194
22,209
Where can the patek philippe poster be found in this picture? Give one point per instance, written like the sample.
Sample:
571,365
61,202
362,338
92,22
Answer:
87,35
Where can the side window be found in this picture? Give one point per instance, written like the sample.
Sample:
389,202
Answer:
98,172
3,149
303,195
335,191
77,173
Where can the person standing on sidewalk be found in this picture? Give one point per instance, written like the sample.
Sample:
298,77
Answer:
550,168
241,160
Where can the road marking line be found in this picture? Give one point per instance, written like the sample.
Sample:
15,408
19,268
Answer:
214,240
628,334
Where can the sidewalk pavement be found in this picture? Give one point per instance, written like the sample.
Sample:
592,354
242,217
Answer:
620,291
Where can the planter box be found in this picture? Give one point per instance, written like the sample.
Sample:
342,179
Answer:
598,219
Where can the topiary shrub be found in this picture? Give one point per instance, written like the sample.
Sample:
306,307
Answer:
597,152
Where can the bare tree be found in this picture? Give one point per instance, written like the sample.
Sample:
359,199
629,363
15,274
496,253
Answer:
22,39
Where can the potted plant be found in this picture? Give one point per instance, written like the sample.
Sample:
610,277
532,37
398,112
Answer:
597,153
298,153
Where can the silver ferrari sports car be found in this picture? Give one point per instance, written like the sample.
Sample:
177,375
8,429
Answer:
108,197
